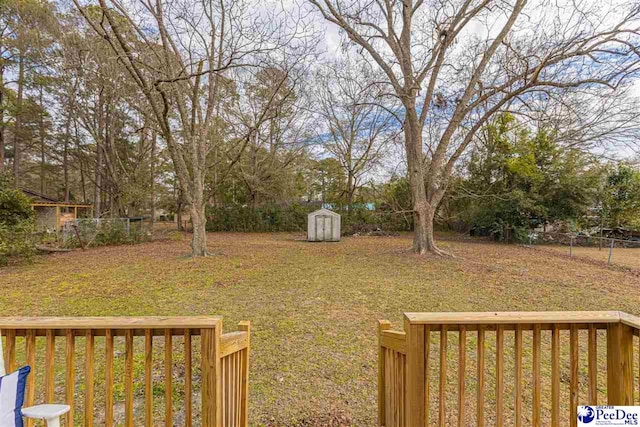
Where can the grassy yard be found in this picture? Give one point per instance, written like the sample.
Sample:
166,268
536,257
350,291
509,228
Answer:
626,257
313,306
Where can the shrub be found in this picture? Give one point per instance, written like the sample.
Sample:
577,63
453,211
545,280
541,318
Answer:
293,218
17,241
17,237
270,218
15,206
108,232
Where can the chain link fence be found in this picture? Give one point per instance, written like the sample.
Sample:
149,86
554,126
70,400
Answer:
625,252
84,232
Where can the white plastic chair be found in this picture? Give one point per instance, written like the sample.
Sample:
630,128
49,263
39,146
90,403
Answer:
51,413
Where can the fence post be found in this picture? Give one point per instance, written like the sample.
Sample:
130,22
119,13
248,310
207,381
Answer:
211,376
383,325
610,251
415,371
619,364
571,246
245,326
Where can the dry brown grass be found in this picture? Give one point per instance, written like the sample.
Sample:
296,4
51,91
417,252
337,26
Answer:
626,257
313,306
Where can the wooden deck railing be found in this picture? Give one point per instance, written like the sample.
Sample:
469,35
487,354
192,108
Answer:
524,368
107,368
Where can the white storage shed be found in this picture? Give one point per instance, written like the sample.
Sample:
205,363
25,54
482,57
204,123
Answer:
323,225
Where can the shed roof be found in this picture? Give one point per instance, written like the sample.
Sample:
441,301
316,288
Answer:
324,211
39,199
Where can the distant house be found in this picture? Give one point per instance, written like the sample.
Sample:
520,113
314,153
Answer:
52,214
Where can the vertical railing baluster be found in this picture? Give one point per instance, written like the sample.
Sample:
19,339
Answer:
388,380
443,375
239,387
49,365
427,374
236,389
555,376
462,365
593,365
573,381
188,417
382,377
70,381
88,378
31,379
128,378
109,378
499,375
536,375
403,388
394,388
148,378
229,390
168,377
480,374
10,350
518,375
244,419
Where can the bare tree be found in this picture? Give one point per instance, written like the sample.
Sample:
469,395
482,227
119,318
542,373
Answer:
606,124
452,64
277,142
357,131
177,51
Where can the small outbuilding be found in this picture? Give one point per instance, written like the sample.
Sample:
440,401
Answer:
323,225
52,214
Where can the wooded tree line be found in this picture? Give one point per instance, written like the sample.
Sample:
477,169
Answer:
141,105
517,179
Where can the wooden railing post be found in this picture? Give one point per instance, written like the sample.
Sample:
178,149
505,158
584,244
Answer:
245,326
211,376
415,371
619,364
383,325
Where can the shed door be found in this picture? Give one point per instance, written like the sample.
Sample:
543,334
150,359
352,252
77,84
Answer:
328,228
324,225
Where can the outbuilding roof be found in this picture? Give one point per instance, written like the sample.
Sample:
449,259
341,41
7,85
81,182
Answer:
39,199
324,211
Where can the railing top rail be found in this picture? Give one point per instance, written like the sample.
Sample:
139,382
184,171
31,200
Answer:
520,317
630,320
120,322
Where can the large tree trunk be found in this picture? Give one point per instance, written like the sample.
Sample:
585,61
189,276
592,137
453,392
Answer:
199,236
43,158
97,200
413,148
198,214
430,240
350,190
17,134
152,183
179,207
81,162
423,209
2,149
65,161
